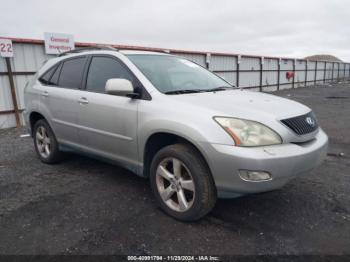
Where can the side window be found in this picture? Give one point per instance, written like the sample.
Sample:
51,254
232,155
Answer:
104,68
72,73
54,78
46,77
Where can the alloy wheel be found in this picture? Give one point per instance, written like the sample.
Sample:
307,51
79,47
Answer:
43,142
175,184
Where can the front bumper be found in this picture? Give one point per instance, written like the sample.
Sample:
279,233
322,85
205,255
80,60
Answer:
283,162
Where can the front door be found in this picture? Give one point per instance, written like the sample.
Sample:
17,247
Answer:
107,124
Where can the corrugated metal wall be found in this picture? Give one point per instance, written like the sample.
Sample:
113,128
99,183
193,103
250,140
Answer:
27,60
256,73
224,66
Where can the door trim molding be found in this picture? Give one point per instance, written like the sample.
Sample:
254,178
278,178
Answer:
93,130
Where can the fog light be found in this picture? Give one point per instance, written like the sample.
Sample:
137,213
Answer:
254,176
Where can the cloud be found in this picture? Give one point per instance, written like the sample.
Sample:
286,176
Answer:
271,27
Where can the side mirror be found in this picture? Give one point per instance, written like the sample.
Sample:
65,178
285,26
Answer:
119,87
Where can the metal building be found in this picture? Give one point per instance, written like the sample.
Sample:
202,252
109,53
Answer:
251,72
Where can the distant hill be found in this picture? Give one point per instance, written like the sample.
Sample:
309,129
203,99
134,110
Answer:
330,58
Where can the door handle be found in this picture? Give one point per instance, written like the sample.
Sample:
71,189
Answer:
45,94
83,101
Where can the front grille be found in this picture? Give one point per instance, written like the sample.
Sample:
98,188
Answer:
302,125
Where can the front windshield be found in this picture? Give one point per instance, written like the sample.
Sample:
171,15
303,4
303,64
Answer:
171,74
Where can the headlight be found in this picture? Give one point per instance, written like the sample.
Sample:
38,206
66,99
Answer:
248,133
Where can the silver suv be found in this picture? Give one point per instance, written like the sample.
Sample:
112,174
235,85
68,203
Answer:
165,118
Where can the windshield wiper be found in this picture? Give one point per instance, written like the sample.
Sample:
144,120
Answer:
184,91
187,91
220,88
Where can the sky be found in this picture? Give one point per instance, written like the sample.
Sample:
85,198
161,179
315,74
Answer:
288,28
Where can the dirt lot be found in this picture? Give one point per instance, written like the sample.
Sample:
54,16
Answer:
83,206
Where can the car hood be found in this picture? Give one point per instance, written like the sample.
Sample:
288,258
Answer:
244,104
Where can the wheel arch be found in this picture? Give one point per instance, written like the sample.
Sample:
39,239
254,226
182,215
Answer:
159,140
33,118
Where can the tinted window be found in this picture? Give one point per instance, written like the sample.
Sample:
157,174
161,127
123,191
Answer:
54,77
46,77
72,73
104,68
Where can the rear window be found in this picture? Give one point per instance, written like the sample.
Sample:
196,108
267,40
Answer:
72,73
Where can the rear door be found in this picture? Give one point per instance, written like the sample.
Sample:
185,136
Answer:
108,123
60,98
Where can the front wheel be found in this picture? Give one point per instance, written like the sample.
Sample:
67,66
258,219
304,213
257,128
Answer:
182,183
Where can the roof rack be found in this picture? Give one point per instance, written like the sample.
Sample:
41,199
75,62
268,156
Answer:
89,48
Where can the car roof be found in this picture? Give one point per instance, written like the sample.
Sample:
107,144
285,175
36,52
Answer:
68,55
87,51
138,52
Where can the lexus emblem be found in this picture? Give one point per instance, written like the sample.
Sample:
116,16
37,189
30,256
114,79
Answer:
310,121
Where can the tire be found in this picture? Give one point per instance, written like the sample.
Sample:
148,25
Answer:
44,137
169,188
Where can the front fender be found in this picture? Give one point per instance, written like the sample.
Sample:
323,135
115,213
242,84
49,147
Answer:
171,127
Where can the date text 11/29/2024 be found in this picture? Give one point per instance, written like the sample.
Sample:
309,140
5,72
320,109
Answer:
173,258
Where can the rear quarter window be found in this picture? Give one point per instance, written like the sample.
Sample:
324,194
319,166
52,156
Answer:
54,78
45,78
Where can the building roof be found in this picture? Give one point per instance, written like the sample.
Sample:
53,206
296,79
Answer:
321,57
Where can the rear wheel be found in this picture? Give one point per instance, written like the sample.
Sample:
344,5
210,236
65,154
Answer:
182,183
45,142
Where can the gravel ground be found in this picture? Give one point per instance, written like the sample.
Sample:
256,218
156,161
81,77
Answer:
84,206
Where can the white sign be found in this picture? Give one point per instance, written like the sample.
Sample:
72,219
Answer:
58,43
6,48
